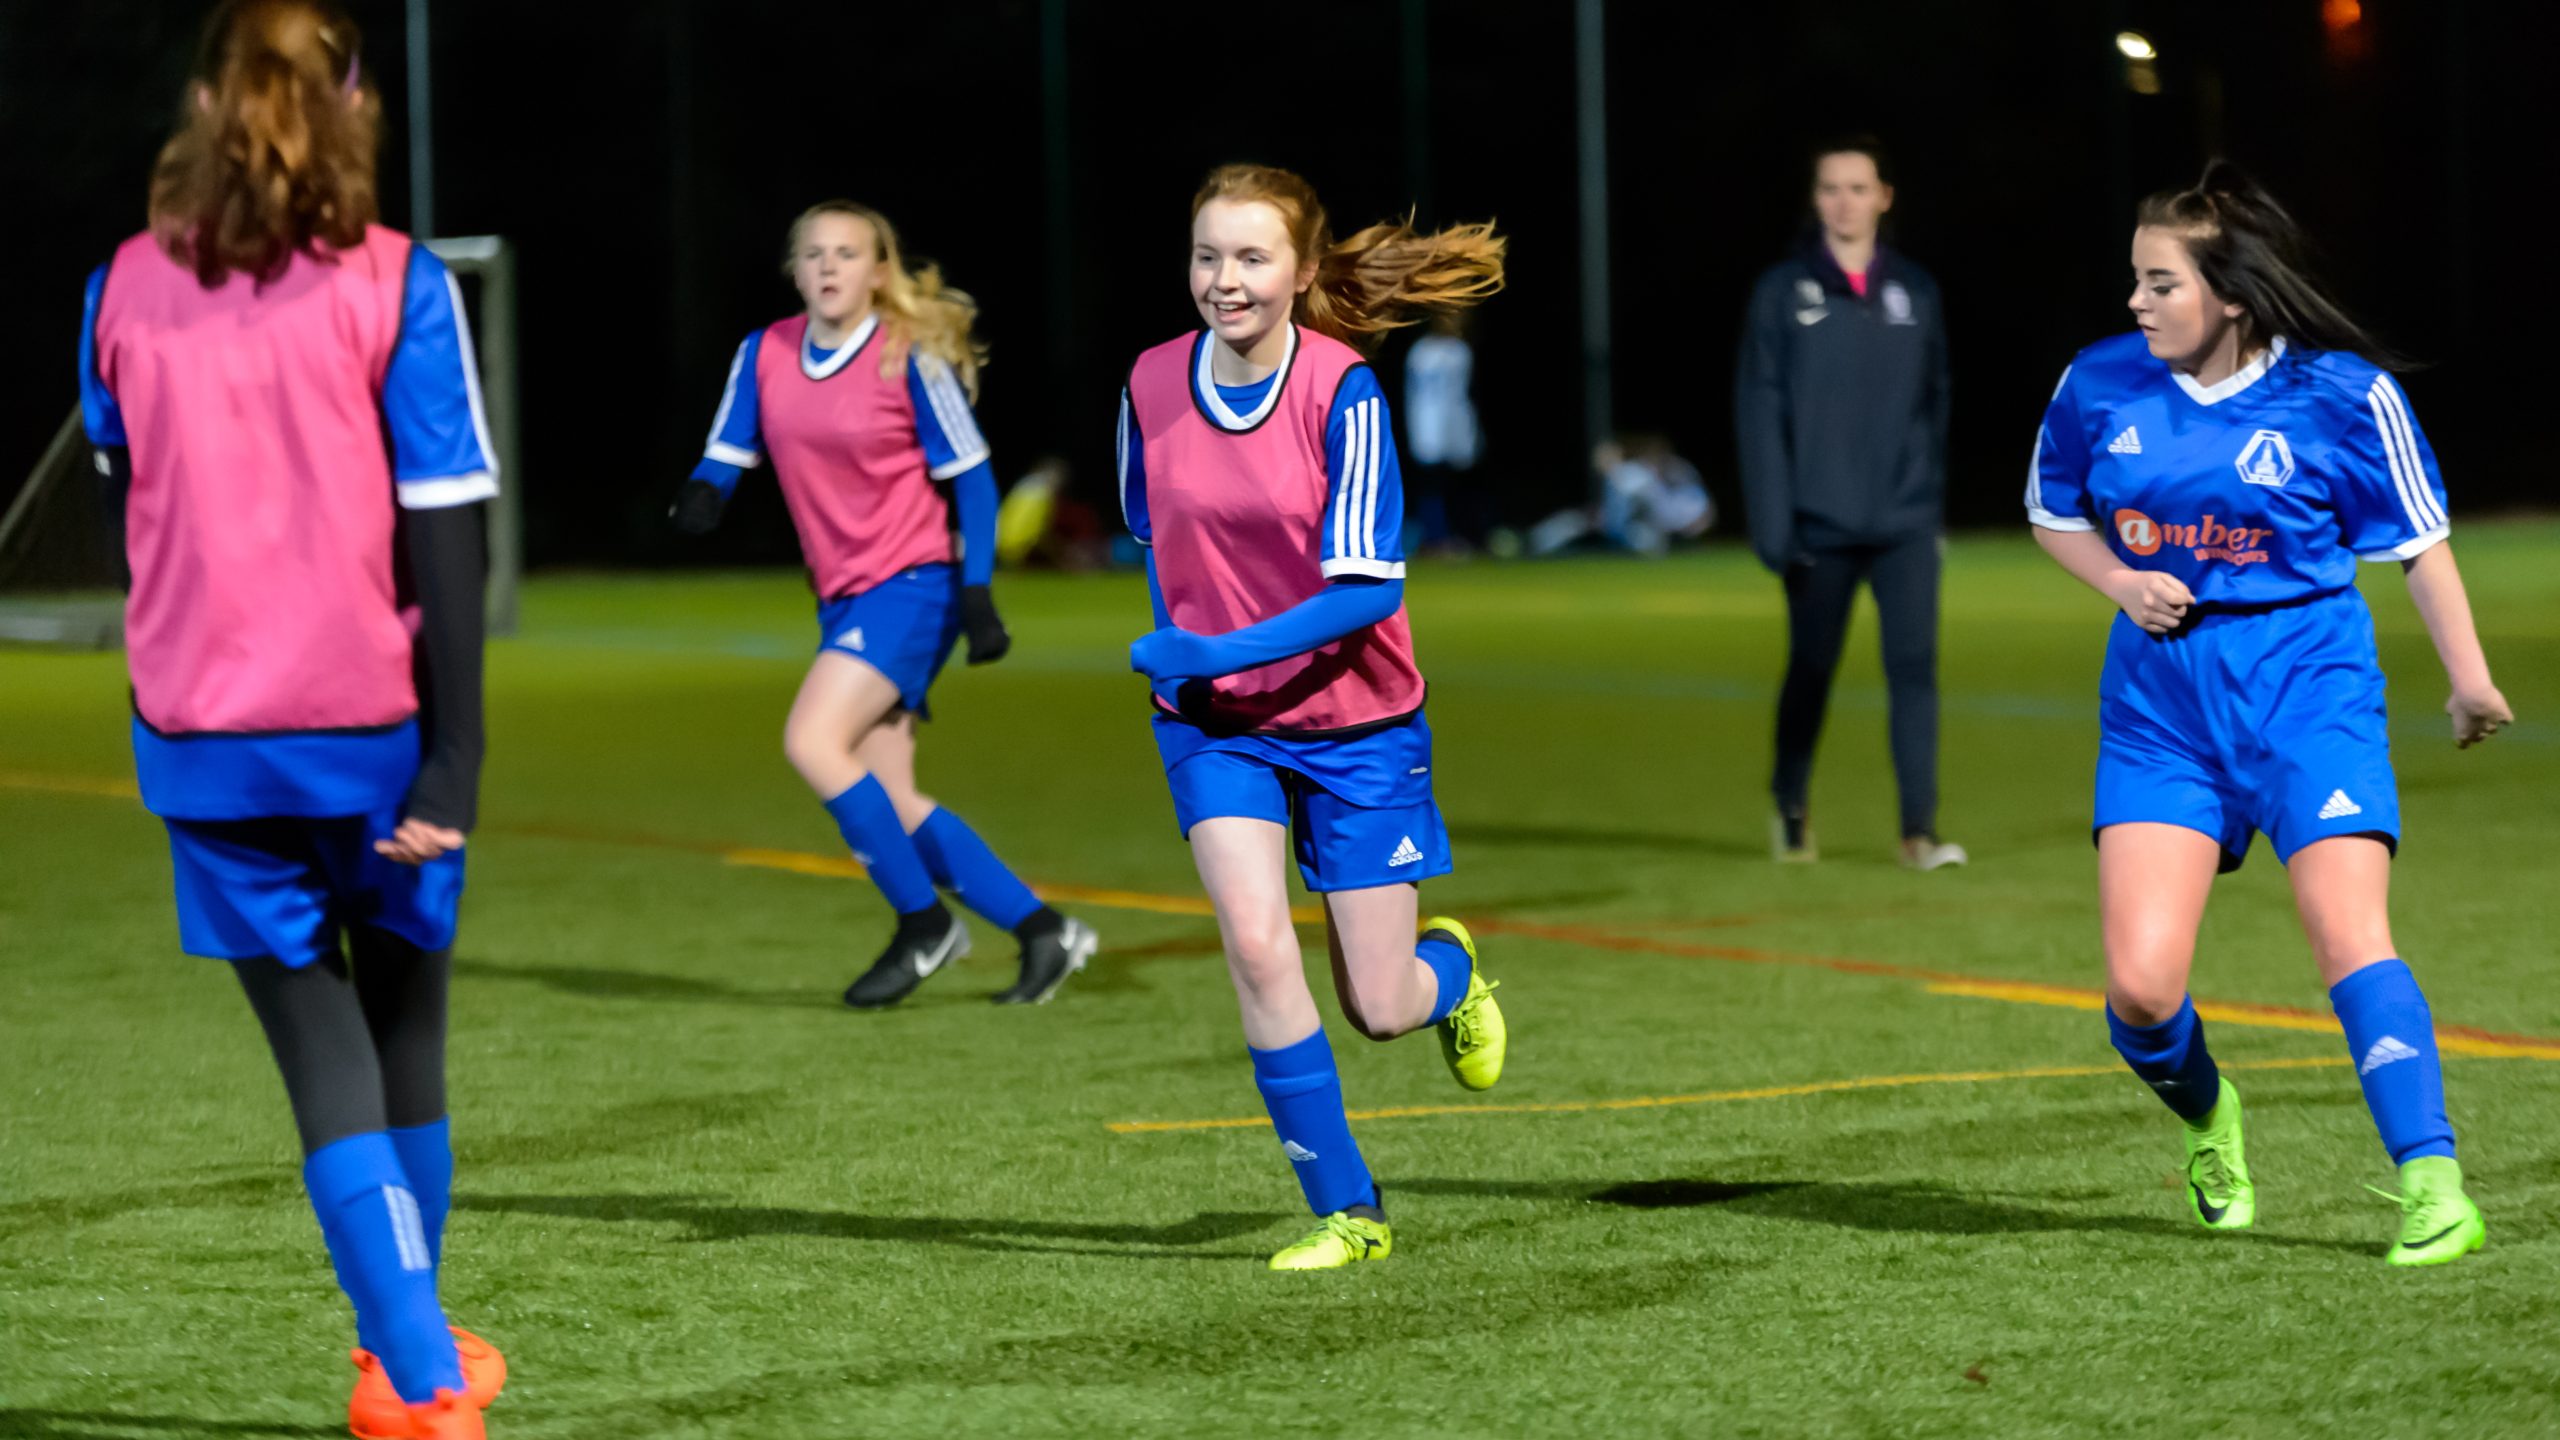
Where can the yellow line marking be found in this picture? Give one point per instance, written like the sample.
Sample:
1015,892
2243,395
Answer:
2455,1040
845,867
71,785
1715,1097
2027,992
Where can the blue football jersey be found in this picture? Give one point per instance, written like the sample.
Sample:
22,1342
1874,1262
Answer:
2264,489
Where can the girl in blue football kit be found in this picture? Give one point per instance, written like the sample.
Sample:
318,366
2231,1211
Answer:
2218,474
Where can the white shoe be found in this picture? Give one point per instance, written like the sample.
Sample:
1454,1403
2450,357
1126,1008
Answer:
1804,854
1928,852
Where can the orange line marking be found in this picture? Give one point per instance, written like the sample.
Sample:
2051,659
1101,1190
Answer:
2454,1039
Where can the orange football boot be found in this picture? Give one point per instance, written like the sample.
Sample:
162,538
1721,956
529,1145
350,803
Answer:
447,1417
375,1411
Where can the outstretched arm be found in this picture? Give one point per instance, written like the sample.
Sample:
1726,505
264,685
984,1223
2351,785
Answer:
1339,609
2435,588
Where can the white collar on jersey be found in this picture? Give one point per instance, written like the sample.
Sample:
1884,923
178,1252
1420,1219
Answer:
1216,404
2237,381
852,346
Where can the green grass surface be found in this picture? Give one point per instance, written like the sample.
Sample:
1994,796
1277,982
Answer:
698,1197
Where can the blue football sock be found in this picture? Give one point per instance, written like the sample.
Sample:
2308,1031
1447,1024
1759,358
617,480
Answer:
961,862
426,1157
2392,1040
1304,1095
870,826
1451,967
379,1245
2171,1059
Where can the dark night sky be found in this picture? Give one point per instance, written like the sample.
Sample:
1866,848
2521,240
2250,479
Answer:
646,159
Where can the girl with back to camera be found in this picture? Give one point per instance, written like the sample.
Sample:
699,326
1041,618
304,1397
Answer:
1257,464
316,760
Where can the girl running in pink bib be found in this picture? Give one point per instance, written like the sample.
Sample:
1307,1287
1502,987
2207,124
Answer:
1258,467
862,400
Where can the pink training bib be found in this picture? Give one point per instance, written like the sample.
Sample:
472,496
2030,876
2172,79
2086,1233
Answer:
844,448
260,522
1238,518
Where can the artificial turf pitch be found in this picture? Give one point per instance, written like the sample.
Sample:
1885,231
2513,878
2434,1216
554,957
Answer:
700,1197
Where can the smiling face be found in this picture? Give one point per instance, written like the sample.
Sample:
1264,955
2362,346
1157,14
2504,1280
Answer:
1245,275
2183,321
836,267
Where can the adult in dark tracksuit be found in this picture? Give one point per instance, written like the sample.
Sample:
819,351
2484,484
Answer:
1840,407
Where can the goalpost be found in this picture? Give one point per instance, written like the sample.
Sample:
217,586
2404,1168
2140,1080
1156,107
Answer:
58,579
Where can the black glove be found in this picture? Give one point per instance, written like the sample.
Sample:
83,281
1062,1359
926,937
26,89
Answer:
985,629
697,508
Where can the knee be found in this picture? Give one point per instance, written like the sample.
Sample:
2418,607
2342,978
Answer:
1369,1029
914,808
1264,957
805,750
2143,1004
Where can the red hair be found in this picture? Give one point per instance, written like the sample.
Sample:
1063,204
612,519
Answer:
1384,277
274,152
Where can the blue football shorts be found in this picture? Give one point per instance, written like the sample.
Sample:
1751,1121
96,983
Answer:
2266,722
288,886
1359,810
903,627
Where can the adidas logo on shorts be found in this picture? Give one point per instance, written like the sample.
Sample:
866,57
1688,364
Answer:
851,639
2339,806
2385,1050
1406,854
2127,443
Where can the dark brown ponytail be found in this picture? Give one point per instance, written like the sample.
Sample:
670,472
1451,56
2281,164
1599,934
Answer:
2251,252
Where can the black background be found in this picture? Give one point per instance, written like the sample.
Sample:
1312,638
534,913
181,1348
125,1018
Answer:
646,159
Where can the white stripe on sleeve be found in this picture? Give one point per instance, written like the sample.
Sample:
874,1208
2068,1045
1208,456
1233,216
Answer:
1342,488
720,449
2400,445
446,491
1377,409
951,412
470,360
1120,457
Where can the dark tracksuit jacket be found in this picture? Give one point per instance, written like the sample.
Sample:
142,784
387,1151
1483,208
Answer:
1840,406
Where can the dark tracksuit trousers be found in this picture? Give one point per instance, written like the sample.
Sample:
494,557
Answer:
1840,411
1821,591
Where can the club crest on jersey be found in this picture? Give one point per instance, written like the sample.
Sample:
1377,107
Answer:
2266,460
1810,307
1897,304
2209,538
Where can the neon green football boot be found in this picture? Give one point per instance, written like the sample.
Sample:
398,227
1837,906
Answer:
2218,1187
2438,1223
1344,1237
1472,1036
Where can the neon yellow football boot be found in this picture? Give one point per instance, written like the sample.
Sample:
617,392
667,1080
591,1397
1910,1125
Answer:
1344,1237
1472,1036
2438,1223
2219,1190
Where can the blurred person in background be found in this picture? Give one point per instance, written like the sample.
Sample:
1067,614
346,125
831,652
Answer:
1645,497
863,401
1840,413
1443,437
